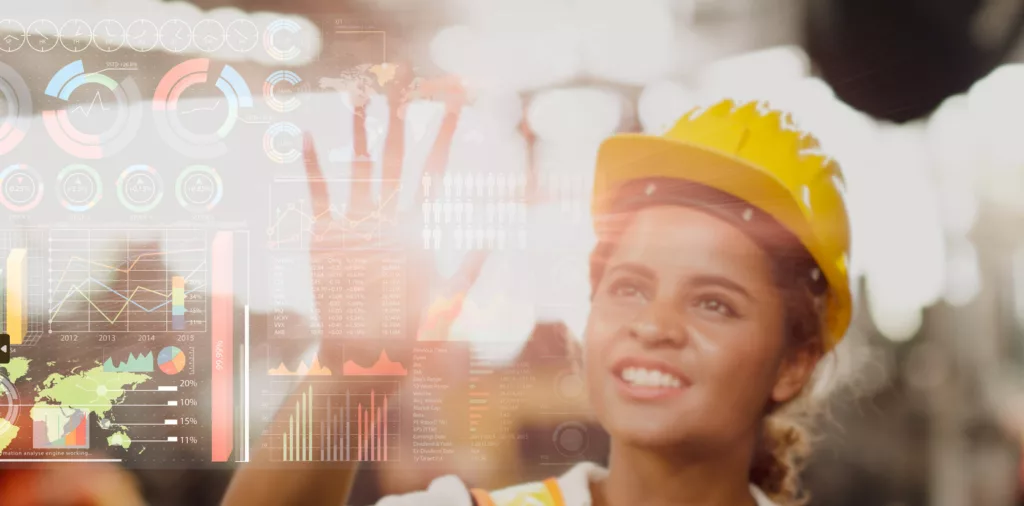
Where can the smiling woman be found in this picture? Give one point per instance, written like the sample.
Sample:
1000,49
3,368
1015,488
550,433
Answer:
718,285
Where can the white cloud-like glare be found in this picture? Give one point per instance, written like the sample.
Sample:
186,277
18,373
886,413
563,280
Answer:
662,103
575,114
530,44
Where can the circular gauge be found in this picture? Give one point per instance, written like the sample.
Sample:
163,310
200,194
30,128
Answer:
175,35
242,35
140,189
176,124
208,35
281,40
143,35
15,109
108,35
571,439
43,35
75,35
199,188
9,404
80,187
12,35
569,385
21,189
65,126
283,142
281,90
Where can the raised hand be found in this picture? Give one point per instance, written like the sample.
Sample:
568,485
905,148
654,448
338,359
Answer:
369,234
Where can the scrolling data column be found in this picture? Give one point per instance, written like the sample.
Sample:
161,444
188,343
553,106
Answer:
223,337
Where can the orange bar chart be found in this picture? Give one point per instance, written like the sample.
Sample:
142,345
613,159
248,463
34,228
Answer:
16,323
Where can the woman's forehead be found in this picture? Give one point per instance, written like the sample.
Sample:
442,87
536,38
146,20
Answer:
678,234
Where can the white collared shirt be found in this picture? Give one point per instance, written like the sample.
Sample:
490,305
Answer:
574,485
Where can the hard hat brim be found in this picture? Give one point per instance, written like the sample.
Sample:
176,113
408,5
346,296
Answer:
628,157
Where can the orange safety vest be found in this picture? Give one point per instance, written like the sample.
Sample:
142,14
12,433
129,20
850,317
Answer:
541,493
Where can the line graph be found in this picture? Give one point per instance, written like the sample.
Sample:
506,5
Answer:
128,281
201,109
86,111
294,225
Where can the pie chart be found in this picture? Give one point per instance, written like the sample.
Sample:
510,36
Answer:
171,360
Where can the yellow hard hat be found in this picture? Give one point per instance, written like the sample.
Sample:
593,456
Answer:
757,155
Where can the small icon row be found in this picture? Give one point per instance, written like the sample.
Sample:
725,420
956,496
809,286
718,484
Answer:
144,35
140,188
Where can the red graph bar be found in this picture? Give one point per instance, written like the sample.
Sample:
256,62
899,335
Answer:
375,422
380,452
385,443
222,322
359,432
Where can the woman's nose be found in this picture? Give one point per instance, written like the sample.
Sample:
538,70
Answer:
658,324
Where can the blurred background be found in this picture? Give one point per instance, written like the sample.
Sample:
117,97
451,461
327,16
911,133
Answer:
921,102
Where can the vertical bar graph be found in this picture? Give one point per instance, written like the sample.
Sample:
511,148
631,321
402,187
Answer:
222,349
338,427
17,295
177,303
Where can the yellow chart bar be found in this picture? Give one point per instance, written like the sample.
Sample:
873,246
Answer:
17,295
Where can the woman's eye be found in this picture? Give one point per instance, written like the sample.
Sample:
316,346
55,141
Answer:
718,306
626,289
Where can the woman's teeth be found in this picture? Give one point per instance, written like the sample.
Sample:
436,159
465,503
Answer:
650,378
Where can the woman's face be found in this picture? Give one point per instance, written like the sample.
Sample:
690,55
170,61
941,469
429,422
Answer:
685,342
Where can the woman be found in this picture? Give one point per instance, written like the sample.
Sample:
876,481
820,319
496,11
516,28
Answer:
718,284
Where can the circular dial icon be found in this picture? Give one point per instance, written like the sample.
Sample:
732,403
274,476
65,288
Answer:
199,188
80,187
242,35
43,35
208,35
21,189
140,188
176,35
143,35
108,35
12,35
75,35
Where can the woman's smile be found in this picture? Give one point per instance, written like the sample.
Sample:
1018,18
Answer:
646,380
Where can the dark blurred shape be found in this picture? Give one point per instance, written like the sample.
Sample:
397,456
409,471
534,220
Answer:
899,59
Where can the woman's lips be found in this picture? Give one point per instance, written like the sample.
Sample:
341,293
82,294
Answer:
648,380
646,393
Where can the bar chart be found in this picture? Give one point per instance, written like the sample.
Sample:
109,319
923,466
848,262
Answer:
21,291
353,425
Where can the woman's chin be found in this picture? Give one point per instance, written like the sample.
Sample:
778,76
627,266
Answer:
645,433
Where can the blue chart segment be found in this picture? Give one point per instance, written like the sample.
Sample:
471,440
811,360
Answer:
171,115
127,281
115,129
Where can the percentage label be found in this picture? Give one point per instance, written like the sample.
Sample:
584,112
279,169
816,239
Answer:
189,383
188,440
189,402
189,421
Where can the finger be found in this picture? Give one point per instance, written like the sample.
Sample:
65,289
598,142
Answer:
319,196
362,168
394,154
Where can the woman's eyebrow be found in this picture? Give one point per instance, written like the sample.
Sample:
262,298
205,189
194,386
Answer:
635,269
721,282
